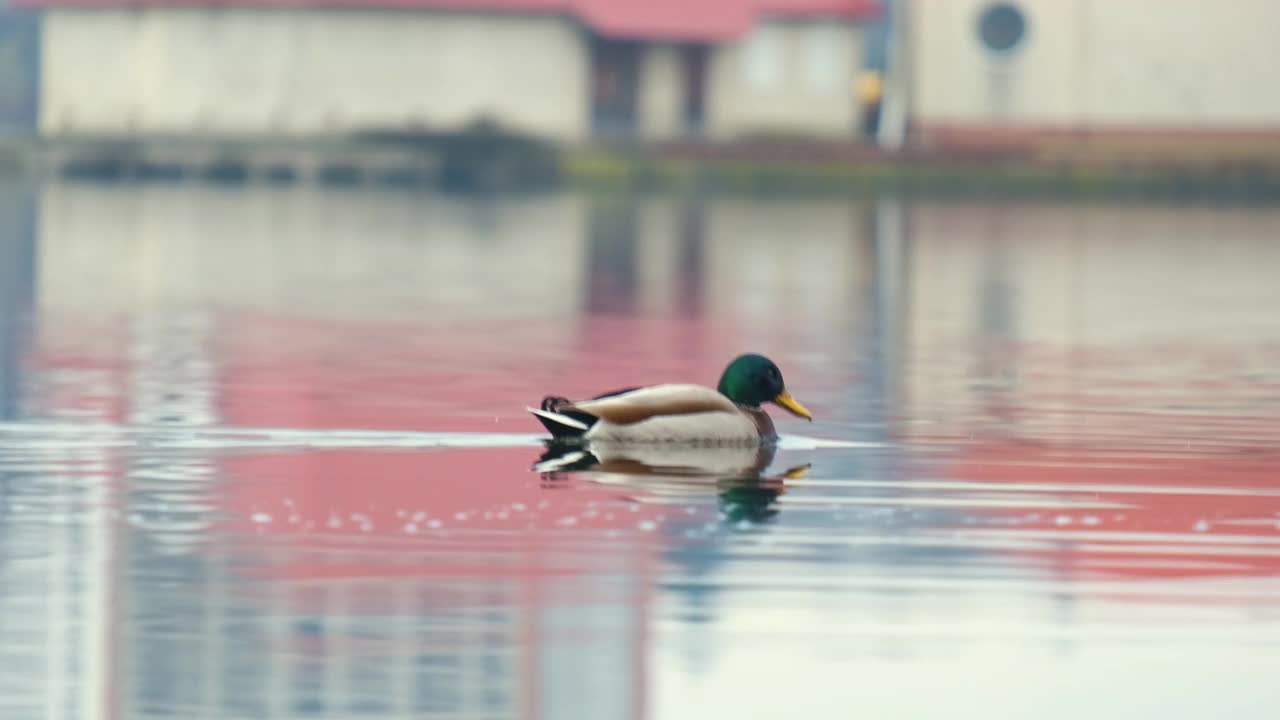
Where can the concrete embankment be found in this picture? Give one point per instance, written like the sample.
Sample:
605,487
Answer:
486,160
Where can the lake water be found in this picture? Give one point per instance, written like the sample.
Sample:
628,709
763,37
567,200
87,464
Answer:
264,453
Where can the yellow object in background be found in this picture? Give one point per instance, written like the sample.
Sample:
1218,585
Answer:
869,87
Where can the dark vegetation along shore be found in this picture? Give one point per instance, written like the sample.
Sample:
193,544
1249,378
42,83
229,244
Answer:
488,160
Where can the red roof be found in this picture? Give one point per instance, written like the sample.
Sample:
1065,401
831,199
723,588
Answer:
702,20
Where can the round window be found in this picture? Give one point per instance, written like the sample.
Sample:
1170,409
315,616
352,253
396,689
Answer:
1002,27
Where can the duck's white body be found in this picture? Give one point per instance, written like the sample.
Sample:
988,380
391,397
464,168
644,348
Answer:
665,414
709,426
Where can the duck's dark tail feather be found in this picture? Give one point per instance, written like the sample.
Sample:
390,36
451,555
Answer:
562,424
565,457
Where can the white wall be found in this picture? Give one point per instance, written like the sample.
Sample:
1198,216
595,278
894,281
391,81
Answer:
156,70
298,72
1141,64
661,93
786,77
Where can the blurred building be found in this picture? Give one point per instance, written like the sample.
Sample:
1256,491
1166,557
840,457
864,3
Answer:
563,69
1005,70
19,70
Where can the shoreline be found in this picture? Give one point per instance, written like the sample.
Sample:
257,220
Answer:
496,162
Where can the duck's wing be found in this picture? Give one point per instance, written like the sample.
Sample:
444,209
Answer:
640,404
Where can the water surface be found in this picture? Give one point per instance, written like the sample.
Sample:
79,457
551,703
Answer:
263,453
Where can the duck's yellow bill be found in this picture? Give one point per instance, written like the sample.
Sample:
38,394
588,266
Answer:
793,406
797,472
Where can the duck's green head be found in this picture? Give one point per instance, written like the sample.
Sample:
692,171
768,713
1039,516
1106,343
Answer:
753,379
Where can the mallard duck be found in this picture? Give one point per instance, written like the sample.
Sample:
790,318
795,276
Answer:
678,412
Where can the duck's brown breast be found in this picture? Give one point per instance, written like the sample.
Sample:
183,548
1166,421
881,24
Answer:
764,423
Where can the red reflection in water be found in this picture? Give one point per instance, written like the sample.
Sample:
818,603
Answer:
486,532
83,371
453,513
306,373
1202,509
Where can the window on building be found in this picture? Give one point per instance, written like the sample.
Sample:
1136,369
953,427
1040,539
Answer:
762,57
1002,27
822,59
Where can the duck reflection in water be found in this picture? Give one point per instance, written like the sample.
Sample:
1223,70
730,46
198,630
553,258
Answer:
672,473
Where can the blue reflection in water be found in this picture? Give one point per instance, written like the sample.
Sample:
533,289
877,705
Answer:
17,291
